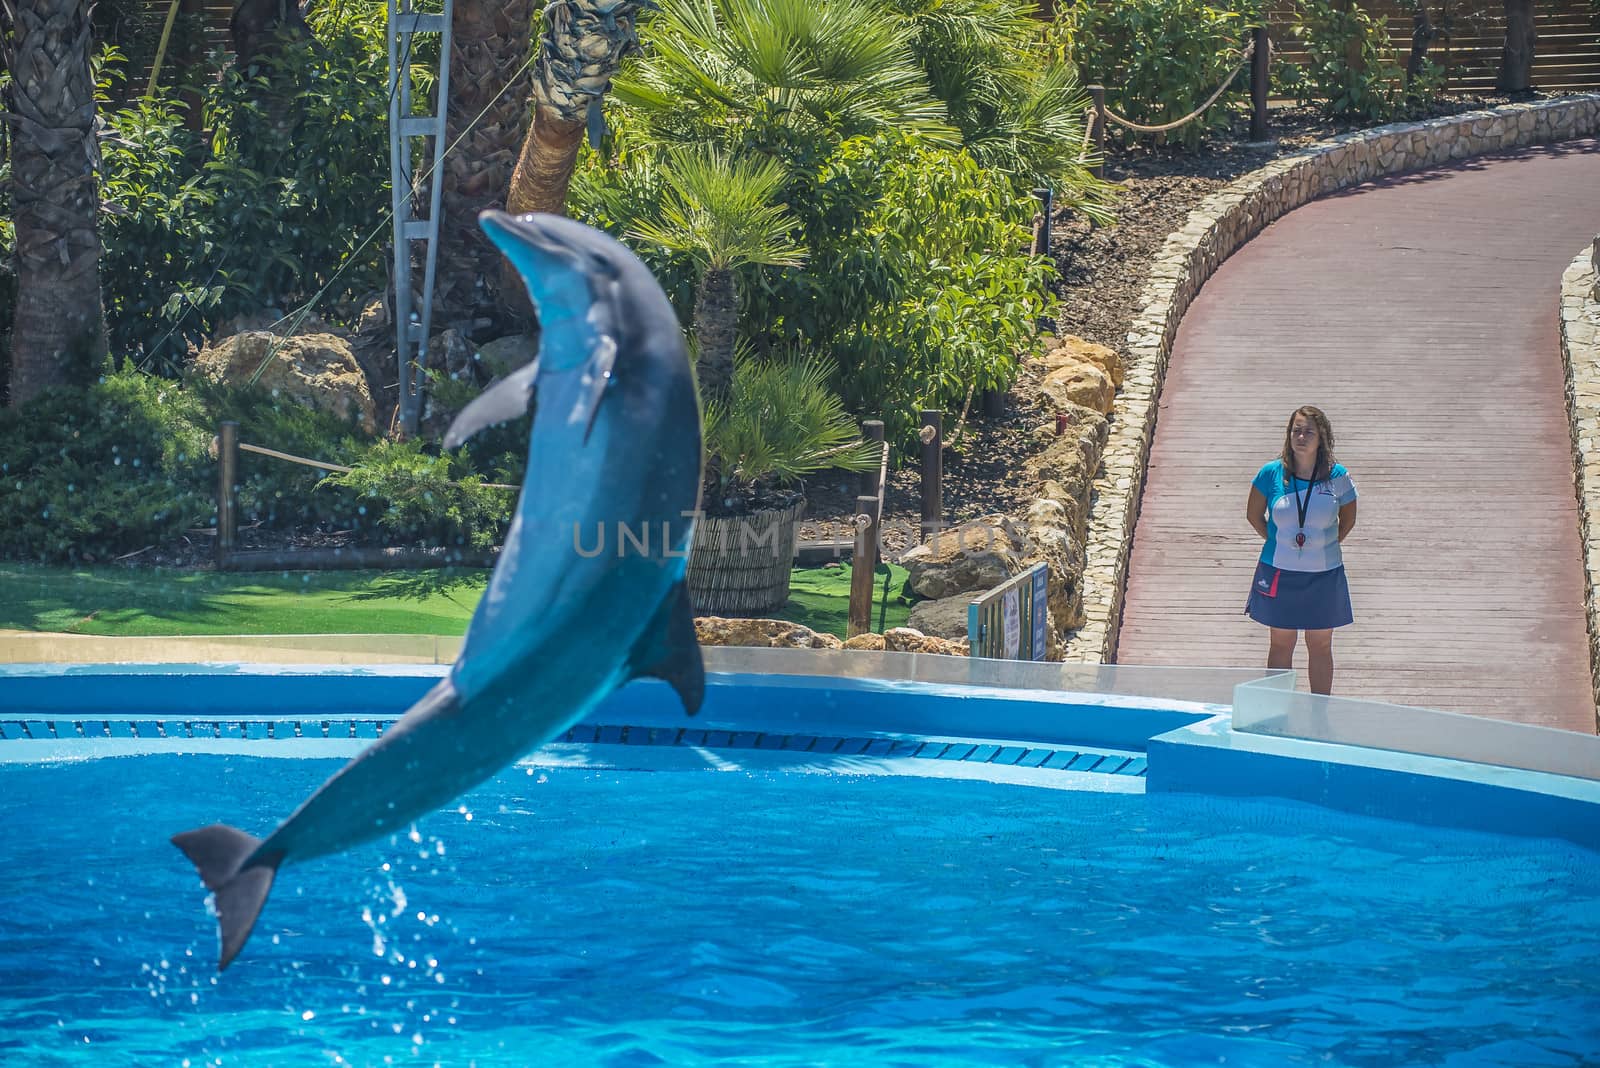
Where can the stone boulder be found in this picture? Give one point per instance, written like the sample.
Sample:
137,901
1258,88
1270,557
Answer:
1059,545
871,642
316,370
1062,351
505,354
974,556
943,618
1078,382
911,640
767,633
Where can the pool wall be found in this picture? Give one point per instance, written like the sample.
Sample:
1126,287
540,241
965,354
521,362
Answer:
1170,745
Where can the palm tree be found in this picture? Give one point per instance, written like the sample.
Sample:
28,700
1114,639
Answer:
490,42
720,212
59,329
748,69
580,51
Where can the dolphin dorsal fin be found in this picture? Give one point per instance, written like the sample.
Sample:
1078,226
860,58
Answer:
668,650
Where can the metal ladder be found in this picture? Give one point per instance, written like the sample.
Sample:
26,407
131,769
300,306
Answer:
412,324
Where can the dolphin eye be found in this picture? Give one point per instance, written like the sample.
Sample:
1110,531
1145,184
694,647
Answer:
602,267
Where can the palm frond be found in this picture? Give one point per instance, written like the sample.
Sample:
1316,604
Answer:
782,421
719,210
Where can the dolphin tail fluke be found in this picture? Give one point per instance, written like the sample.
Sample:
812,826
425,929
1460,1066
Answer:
669,650
219,852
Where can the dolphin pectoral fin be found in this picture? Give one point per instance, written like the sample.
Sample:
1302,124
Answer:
670,651
501,402
600,364
220,853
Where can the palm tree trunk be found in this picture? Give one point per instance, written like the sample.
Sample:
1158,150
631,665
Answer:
583,46
59,331
488,78
1516,58
716,326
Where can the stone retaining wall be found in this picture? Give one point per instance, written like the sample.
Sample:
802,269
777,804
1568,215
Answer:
1580,349
1222,223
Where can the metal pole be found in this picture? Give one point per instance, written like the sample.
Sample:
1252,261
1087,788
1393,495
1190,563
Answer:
1260,70
227,478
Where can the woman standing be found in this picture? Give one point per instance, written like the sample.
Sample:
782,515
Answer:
1303,504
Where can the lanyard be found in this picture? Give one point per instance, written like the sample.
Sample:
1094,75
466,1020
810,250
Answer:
1301,506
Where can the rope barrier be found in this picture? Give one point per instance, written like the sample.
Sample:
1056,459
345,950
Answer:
322,465
1244,58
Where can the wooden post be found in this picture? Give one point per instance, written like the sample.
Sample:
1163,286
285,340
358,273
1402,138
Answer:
1259,72
932,437
1097,134
871,430
863,566
227,478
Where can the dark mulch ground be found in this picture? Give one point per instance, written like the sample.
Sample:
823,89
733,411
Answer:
1103,271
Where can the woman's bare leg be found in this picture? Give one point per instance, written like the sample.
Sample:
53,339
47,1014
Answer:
1280,648
1319,651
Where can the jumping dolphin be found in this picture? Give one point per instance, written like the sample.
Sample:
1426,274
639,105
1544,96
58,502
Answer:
615,446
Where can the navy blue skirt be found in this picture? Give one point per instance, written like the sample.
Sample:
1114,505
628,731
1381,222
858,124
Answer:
1299,600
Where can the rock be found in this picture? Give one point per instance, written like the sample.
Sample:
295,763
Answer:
1079,382
1059,545
910,640
505,354
943,618
1073,349
870,642
317,370
770,633
450,351
974,556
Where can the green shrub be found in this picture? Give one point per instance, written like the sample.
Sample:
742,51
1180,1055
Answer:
271,213
1159,59
1020,110
1351,68
417,495
781,421
918,284
89,475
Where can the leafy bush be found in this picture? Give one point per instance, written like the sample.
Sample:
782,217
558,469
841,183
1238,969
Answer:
1351,68
918,282
1020,110
281,207
781,421
1159,59
436,498
92,474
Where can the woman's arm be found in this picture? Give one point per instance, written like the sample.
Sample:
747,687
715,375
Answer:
1255,512
1347,519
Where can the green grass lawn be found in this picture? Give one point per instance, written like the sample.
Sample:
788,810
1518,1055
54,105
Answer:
131,602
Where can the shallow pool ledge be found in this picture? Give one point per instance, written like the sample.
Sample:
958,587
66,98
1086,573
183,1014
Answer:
1210,757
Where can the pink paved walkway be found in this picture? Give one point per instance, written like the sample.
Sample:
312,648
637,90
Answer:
1420,314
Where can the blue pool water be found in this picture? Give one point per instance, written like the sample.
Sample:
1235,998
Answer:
570,916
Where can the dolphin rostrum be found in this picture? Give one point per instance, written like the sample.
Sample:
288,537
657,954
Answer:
615,443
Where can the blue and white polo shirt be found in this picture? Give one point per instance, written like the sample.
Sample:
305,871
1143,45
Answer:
1321,549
